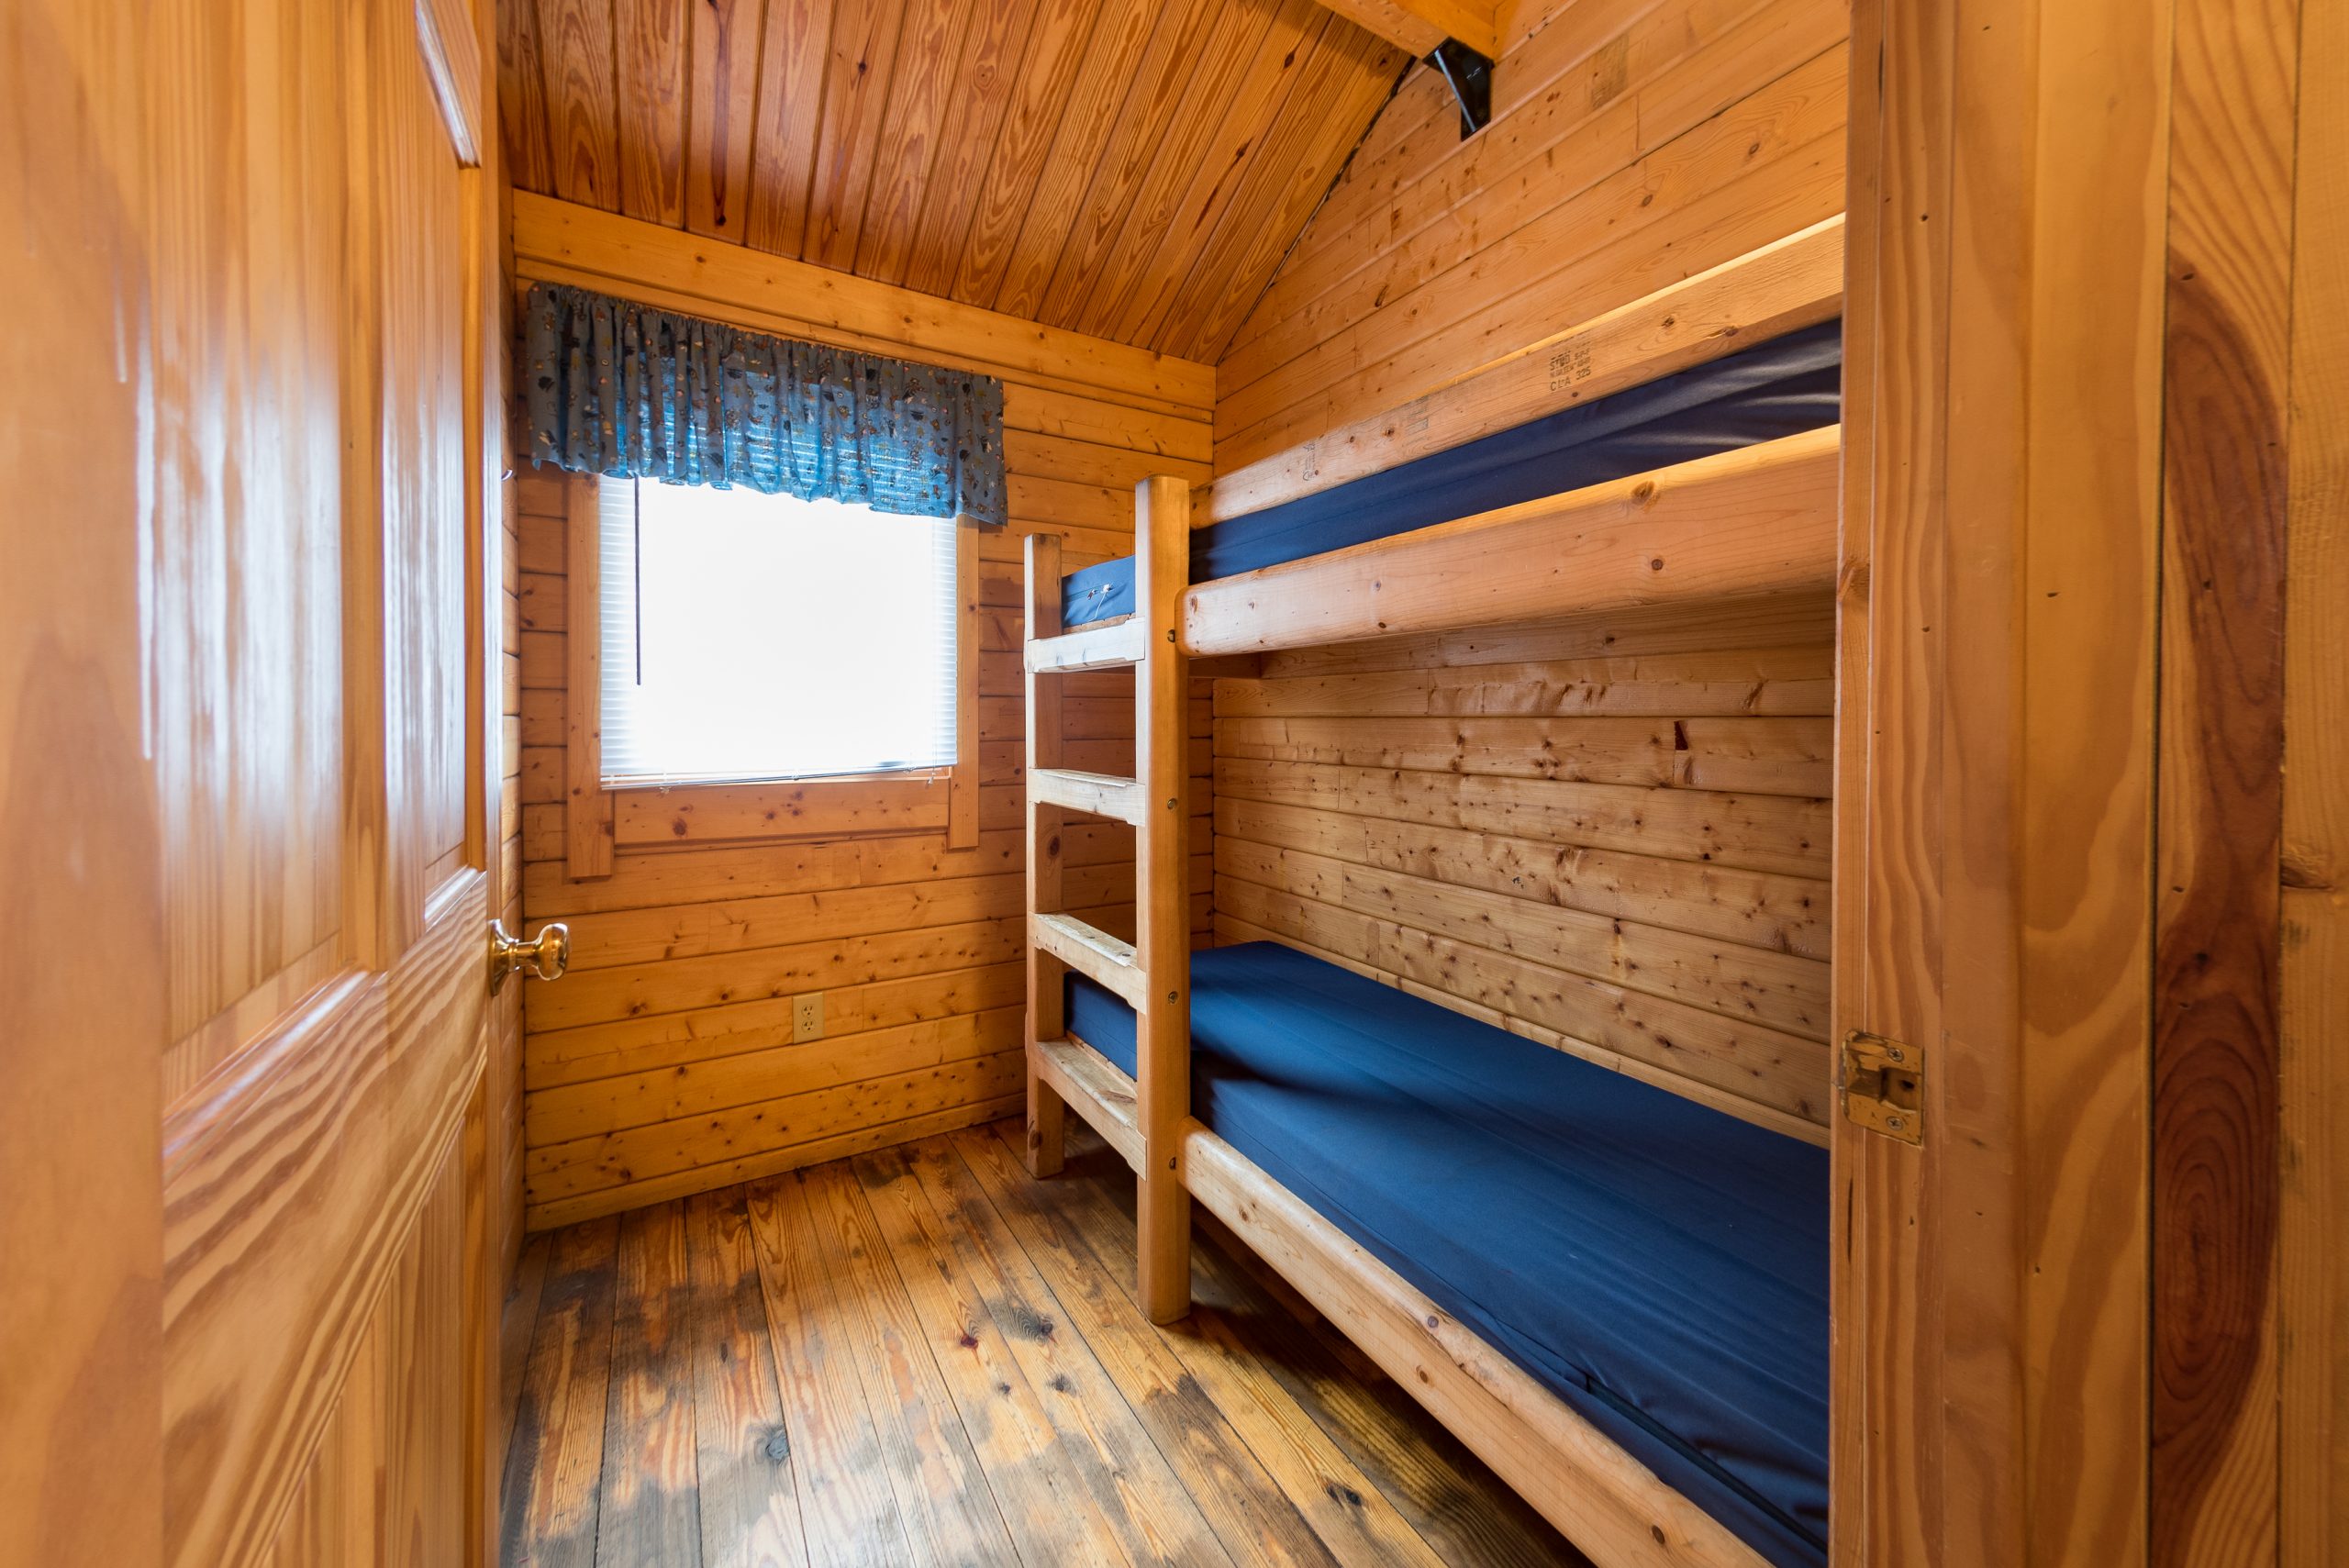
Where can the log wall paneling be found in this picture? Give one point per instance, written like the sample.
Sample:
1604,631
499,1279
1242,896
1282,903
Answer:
666,1062
588,819
1077,161
1619,849
1634,143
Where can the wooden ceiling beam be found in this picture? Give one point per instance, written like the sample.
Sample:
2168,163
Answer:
1419,26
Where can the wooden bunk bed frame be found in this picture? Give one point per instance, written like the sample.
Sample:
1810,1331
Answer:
1754,521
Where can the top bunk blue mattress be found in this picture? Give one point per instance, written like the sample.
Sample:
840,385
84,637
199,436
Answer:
1783,387
1660,1265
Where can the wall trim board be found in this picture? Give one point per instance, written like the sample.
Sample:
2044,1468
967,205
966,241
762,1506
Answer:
557,241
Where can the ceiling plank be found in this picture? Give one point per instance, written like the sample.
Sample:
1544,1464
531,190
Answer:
1139,283
1110,67
521,97
1348,77
721,119
1056,55
791,101
651,46
1190,69
993,54
856,90
921,96
575,44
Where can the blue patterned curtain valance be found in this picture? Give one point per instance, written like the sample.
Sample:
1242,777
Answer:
617,388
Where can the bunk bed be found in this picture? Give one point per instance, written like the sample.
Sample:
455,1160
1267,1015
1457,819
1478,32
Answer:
1615,1295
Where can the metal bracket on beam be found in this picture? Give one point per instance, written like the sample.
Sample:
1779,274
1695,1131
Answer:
1470,75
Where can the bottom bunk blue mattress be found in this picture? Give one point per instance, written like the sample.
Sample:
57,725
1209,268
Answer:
1660,1265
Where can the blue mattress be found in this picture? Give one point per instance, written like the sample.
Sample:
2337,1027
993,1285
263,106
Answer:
1662,1266
1783,387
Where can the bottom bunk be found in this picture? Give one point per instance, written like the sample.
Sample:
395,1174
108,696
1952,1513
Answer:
1657,1268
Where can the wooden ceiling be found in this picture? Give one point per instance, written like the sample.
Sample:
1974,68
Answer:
1131,169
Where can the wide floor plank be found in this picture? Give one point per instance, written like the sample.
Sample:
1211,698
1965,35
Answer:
949,1509
750,1502
650,1511
846,1503
924,1356
554,1463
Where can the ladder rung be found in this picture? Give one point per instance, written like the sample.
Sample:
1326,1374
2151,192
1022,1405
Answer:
1096,794
1094,648
1096,954
1096,1090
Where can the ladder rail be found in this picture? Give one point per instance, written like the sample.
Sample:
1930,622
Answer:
1047,1112
1161,897
1154,975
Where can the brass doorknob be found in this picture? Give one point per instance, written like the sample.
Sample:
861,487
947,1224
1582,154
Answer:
546,955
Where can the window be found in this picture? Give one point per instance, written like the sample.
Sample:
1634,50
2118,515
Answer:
750,637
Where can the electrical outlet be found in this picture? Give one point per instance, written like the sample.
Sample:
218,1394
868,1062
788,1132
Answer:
808,1018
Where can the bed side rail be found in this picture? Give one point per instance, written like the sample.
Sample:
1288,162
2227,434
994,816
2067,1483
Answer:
1747,523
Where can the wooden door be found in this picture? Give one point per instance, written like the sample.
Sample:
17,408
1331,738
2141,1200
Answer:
243,566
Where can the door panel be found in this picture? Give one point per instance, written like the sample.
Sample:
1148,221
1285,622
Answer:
246,527
419,280
242,981
397,1415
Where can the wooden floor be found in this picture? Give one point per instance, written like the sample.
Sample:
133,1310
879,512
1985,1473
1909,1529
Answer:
922,1356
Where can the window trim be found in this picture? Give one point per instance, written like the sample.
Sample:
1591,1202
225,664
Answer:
597,816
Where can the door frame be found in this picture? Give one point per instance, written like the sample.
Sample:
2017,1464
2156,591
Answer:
2060,730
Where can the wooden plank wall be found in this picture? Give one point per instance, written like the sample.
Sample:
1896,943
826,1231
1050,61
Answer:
2312,1327
663,1064
2226,458
1609,834
1633,142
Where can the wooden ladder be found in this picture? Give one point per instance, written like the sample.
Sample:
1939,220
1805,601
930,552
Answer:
1152,973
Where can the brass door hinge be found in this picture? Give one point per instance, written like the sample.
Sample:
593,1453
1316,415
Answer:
1883,1085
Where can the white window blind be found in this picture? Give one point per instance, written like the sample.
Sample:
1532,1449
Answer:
763,637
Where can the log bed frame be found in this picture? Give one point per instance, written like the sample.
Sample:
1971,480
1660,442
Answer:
1754,521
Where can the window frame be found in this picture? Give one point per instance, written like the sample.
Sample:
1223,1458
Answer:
600,818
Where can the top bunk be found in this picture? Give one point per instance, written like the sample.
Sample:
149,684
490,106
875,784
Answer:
1689,468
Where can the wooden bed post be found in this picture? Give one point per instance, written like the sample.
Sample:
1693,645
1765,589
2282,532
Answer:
1162,896
1046,1144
